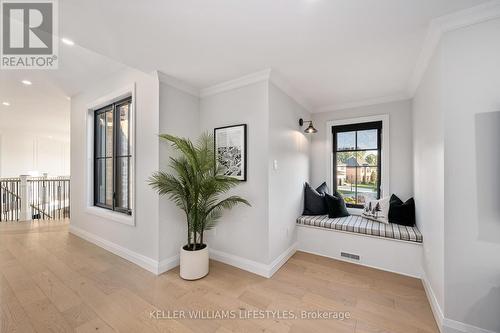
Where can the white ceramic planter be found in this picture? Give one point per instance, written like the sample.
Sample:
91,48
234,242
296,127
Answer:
194,264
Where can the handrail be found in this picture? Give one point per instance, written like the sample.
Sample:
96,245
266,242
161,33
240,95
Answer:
19,198
35,198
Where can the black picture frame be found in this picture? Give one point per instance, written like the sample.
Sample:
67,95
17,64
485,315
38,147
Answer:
241,131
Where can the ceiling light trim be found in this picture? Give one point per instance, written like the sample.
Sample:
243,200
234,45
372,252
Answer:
366,102
439,26
246,80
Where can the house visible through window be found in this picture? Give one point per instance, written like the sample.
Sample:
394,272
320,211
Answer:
357,163
112,157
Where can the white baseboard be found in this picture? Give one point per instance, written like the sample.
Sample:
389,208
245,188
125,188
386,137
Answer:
168,264
447,325
453,326
435,307
157,268
282,259
254,266
138,259
240,262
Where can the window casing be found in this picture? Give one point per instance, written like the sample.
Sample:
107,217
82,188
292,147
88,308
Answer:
112,157
357,162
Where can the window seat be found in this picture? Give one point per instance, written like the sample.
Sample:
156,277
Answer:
360,225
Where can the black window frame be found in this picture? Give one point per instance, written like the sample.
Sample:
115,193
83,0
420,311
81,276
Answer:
373,125
114,108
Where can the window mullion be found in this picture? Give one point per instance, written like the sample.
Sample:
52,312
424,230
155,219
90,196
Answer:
114,155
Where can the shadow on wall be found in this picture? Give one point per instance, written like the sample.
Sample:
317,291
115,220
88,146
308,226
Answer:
488,176
486,307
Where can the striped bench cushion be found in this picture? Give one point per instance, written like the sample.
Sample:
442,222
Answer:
361,225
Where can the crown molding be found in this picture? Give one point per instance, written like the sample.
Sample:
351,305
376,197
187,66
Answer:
366,102
439,26
288,89
259,76
178,84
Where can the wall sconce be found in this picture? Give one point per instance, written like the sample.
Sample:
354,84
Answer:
310,129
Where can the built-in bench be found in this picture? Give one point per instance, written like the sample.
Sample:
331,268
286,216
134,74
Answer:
361,225
390,247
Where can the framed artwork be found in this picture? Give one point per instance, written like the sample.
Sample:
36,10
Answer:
231,151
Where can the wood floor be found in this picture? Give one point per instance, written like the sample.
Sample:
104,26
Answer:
52,281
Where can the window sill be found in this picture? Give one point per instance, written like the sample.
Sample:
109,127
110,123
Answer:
111,215
355,211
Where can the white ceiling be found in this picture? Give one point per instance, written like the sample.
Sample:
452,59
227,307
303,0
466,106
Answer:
44,106
335,52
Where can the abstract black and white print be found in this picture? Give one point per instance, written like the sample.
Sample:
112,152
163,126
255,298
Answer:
230,149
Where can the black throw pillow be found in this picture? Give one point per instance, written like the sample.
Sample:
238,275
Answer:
323,189
400,212
314,202
336,205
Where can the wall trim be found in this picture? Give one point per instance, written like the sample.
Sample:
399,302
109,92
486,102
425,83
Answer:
178,84
147,263
167,264
447,324
240,262
439,26
159,267
282,258
450,324
255,267
435,307
366,102
245,80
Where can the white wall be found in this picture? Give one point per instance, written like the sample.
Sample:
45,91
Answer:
141,239
243,231
457,126
428,143
401,164
33,152
179,115
472,218
289,147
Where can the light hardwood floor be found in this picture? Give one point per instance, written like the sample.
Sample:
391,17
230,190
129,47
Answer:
52,281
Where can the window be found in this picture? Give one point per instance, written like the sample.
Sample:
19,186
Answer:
357,164
112,157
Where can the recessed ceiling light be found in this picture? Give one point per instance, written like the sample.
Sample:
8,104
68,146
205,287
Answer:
67,41
26,82
6,103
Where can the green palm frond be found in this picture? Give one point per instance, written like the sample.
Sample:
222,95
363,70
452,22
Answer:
195,185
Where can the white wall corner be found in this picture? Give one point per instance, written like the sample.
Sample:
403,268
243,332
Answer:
245,80
286,87
446,325
443,24
178,84
255,267
435,307
282,259
168,264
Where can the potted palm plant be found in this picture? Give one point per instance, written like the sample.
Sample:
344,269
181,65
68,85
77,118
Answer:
196,187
